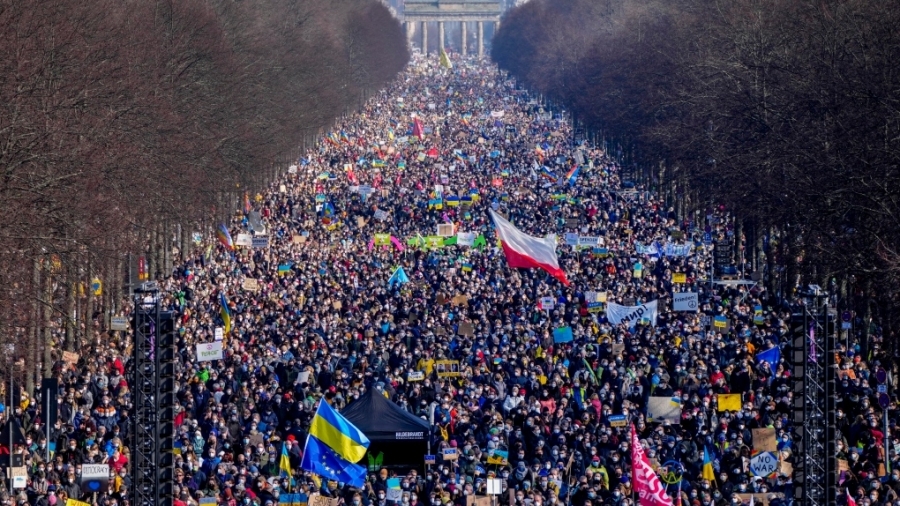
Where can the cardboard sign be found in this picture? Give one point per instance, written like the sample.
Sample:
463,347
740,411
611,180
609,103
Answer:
298,239
764,440
785,468
337,305
448,454
415,376
572,222
430,460
70,357
320,500
447,368
441,299
445,230
460,300
474,500
842,465
466,329
19,475
251,285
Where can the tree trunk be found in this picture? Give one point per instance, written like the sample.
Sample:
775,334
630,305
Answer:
71,299
34,331
88,317
48,315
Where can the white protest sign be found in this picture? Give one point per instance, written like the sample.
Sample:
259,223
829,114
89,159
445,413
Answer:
685,301
219,333
465,238
380,215
118,323
663,409
548,303
207,352
243,240
571,239
763,464
632,315
588,241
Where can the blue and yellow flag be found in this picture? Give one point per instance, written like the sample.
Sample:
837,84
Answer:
285,463
335,431
318,458
708,472
226,313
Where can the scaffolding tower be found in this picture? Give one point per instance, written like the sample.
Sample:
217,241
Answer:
814,344
153,380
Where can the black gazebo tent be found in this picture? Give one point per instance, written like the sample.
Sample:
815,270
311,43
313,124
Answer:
399,439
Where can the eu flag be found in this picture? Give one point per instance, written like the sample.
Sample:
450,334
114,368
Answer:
322,460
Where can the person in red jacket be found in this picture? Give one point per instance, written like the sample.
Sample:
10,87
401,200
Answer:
117,461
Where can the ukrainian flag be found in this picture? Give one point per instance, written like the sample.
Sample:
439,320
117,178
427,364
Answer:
285,463
335,431
226,313
708,471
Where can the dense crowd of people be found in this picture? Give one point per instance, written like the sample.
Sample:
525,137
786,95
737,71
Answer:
314,317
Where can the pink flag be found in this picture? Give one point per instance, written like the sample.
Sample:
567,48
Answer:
646,483
813,354
418,131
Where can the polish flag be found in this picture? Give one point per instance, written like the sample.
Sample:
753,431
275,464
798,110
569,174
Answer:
525,252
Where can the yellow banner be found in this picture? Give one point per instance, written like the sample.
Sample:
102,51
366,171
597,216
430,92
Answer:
729,402
679,277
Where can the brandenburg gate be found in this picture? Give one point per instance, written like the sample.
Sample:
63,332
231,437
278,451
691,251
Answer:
451,11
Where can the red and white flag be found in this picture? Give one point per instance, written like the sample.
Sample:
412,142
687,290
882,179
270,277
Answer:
418,131
646,483
850,500
526,252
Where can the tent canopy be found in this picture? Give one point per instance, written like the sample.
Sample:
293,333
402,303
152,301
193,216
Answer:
382,420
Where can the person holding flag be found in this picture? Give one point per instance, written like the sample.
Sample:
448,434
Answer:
225,313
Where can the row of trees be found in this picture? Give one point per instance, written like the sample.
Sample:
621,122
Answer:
786,111
126,126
